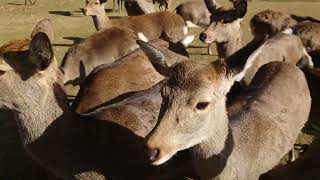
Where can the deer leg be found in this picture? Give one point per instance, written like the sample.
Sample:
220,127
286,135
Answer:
209,49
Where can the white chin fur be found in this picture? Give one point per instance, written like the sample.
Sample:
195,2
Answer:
142,37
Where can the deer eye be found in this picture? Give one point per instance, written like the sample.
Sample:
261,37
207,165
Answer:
202,105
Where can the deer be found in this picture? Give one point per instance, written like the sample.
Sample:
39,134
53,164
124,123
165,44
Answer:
152,25
270,22
189,11
164,5
71,145
100,48
193,116
225,27
139,7
130,73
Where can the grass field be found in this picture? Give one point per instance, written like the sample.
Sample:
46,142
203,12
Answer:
17,21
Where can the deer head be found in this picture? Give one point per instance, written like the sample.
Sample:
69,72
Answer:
94,7
224,22
193,108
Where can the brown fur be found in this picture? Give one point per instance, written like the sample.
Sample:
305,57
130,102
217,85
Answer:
100,48
75,146
309,33
193,115
269,22
130,73
152,25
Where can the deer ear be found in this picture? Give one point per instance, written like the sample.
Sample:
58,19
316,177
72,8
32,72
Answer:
210,5
102,1
237,68
240,7
44,26
40,51
156,58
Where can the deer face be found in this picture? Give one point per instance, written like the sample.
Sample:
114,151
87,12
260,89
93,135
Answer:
193,104
193,107
93,7
220,31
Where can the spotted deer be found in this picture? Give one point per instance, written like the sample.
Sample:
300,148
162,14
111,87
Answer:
193,116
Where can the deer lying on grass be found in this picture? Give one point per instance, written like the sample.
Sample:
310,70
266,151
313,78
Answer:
225,27
269,22
74,146
132,72
193,115
152,26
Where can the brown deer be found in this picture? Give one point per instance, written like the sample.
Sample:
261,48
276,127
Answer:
139,7
100,48
70,145
152,25
164,5
189,11
193,116
270,22
225,27
130,73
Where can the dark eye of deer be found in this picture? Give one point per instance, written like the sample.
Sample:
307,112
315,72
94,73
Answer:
202,105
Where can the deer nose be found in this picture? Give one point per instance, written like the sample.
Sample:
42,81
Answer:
153,154
203,36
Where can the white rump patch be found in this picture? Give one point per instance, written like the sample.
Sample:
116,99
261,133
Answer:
142,37
191,24
187,40
249,62
287,31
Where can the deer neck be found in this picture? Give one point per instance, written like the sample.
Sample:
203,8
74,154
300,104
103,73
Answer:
215,150
101,21
226,49
36,108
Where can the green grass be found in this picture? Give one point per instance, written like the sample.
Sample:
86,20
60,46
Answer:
17,21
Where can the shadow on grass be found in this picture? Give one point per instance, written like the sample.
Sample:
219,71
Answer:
17,4
67,13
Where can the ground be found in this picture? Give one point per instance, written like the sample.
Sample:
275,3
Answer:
17,21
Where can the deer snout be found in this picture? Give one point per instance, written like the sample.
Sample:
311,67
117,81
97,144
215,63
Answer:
203,36
152,153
